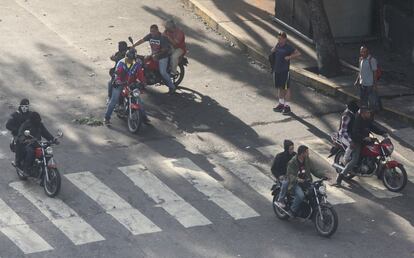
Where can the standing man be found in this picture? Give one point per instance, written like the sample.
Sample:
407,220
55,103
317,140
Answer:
283,53
176,38
161,51
366,79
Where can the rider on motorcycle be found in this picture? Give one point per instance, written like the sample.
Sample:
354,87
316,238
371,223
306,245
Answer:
345,127
176,38
161,51
37,131
299,171
362,127
118,56
128,71
13,124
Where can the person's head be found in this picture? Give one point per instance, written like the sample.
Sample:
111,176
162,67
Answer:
288,146
130,55
303,152
170,25
122,46
24,105
365,112
154,30
353,106
282,37
35,118
364,52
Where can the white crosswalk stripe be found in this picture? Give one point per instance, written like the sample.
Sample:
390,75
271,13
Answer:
19,232
322,149
113,204
211,188
166,198
61,215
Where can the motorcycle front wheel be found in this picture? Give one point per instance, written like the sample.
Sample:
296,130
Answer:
327,226
395,179
279,212
134,121
52,186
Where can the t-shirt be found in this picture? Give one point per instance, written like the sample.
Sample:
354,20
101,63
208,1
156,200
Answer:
281,64
366,71
179,37
157,43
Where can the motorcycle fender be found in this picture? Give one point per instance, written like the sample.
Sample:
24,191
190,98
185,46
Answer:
135,106
392,164
51,163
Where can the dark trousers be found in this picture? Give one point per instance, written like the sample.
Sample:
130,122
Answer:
19,153
365,92
29,157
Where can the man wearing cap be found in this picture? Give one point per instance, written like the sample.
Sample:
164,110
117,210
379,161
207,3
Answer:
283,53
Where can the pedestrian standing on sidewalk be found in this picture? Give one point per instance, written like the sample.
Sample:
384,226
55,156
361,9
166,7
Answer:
366,79
283,53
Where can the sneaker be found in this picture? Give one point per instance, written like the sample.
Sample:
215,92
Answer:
280,204
107,121
279,108
286,110
171,91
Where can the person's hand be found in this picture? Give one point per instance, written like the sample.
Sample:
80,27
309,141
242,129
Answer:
300,180
367,139
287,58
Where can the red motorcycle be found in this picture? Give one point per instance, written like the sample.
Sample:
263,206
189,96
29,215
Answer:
375,159
152,73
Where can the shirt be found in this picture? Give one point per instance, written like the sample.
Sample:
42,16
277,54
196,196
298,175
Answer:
281,64
178,36
158,43
366,71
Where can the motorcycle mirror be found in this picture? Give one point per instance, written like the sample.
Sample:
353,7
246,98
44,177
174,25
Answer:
59,133
130,40
26,132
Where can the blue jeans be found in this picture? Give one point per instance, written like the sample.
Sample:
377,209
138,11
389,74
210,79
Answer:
109,89
163,65
364,94
283,190
298,199
116,92
354,160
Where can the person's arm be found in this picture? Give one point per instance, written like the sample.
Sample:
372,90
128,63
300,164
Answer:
377,129
359,73
45,133
291,173
275,166
12,124
374,67
295,54
139,42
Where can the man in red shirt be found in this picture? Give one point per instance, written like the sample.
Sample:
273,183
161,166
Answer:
176,38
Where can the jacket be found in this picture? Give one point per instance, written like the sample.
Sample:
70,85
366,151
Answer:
16,120
125,75
293,168
37,131
362,128
280,163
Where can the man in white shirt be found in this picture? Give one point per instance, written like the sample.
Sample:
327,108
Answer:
366,77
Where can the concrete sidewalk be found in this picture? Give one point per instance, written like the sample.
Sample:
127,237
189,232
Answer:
249,25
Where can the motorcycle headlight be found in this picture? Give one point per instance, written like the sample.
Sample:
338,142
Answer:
136,93
49,150
322,190
390,148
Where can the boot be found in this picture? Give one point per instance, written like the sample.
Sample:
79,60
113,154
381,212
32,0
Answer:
338,180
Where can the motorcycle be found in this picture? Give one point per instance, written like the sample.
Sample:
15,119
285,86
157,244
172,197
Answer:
315,207
131,107
152,73
375,159
44,168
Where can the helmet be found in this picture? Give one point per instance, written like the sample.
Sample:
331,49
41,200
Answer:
131,54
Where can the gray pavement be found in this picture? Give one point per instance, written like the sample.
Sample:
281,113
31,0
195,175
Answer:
222,120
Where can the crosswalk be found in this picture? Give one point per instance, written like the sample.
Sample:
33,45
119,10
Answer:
66,219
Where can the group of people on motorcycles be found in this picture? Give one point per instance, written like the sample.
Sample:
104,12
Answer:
24,145
166,48
293,169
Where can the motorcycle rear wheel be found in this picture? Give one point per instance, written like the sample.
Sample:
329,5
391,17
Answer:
52,187
390,174
338,160
326,227
134,121
279,213
178,78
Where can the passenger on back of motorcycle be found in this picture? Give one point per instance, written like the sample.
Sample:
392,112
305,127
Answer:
345,127
128,70
176,38
13,124
362,127
37,131
161,51
299,171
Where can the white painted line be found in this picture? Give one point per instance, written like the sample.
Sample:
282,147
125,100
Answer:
60,214
211,188
112,203
247,173
371,184
19,233
166,198
270,151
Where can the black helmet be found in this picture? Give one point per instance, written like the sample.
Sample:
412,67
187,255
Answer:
122,46
24,102
353,106
131,54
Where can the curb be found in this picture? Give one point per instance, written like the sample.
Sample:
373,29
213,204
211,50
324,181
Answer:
300,75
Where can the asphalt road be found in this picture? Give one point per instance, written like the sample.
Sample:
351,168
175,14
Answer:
176,189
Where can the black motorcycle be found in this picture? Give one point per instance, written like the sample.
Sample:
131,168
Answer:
315,207
44,168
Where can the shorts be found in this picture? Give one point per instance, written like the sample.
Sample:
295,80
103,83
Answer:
281,80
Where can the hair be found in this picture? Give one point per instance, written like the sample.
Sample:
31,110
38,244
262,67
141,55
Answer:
122,46
170,24
24,102
154,27
302,149
282,34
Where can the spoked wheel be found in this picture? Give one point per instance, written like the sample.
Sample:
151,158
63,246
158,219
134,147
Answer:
326,221
339,157
395,179
52,186
178,78
279,212
134,121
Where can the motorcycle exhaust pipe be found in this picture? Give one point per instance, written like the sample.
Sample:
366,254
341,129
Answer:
337,166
